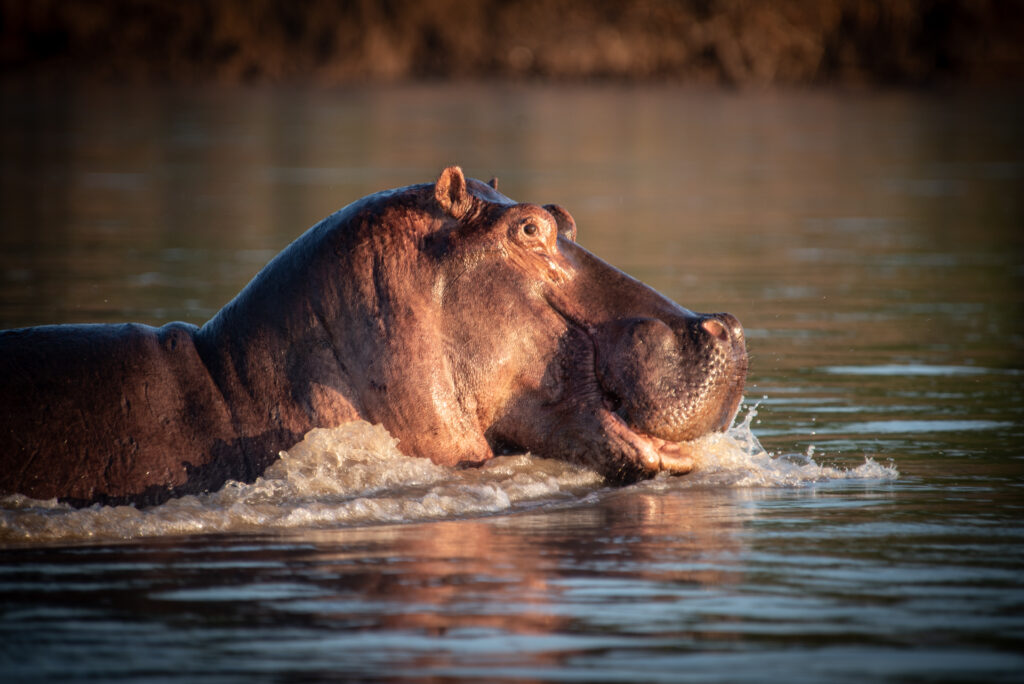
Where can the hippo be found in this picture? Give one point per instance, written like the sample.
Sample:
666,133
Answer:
464,322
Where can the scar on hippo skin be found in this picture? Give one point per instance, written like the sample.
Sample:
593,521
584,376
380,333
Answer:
465,322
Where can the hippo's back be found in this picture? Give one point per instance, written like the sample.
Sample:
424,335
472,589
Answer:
112,413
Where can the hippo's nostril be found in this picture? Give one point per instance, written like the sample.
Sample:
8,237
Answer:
733,324
715,328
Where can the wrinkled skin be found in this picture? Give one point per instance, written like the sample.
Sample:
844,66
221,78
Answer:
466,323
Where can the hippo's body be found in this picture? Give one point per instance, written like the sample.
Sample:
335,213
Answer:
462,321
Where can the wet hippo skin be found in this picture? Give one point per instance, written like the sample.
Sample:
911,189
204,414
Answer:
466,323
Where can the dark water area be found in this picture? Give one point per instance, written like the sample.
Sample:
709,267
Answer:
872,244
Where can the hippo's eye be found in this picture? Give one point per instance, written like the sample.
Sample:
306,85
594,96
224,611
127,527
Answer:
530,229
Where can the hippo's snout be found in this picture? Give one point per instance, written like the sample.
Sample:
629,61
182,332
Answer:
726,331
674,379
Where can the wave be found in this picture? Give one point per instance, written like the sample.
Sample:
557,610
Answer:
355,475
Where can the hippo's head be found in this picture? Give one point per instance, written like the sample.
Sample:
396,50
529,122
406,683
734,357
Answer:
557,352
469,324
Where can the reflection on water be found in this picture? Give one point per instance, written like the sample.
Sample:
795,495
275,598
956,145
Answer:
737,585
870,243
452,594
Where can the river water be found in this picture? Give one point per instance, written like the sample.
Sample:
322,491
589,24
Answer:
864,519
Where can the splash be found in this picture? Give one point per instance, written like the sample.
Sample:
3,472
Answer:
736,458
350,475
355,475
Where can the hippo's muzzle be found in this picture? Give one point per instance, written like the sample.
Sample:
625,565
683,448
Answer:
673,378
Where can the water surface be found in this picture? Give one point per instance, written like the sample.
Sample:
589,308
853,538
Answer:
871,244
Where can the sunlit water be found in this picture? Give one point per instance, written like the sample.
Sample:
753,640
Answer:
870,244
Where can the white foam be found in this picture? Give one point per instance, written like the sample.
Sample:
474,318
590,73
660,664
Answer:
736,458
355,475
350,475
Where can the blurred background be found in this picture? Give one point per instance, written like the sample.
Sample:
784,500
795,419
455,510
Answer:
331,42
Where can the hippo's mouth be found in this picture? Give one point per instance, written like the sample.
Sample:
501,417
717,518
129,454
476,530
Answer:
651,453
655,454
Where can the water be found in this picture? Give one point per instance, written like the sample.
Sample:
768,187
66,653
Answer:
871,244
355,474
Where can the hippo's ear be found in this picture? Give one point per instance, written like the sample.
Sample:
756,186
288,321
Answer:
564,220
493,183
451,193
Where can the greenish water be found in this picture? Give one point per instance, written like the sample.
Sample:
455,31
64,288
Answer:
871,244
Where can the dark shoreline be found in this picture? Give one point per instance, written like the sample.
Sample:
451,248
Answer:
853,43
